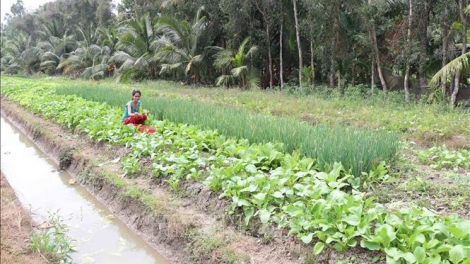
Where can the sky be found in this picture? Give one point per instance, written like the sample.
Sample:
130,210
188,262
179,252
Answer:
30,5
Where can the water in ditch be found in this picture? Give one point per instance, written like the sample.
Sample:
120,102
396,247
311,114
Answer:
100,237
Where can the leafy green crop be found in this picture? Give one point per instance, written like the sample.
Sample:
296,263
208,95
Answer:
357,149
443,158
265,184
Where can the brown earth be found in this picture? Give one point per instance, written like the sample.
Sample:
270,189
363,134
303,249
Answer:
189,226
16,227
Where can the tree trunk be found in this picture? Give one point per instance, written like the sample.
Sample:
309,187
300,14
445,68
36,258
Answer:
455,92
281,63
332,72
311,64
378,62
407,52
299,47
463,18
268,42
270,59
332,64
372,73
445,47
353,78
377,57
423,57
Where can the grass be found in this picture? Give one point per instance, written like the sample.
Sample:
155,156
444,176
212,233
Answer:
15,228
420,121
53,242
445,192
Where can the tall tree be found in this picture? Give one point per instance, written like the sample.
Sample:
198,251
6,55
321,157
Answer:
20,55
445,45
134,55
458,73
424,8
281,40
136,9
56,45
17,9
299,46
378,61
408,51
177,46
268,8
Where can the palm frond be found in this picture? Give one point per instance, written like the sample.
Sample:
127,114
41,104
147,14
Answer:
223,59
460,63
166,68
239,71
224,80
121,57
253,83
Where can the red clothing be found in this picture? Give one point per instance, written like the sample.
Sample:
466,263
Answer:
137,120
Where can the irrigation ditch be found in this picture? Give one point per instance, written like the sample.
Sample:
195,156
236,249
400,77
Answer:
190,226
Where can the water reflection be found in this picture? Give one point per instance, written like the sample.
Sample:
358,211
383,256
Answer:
101,238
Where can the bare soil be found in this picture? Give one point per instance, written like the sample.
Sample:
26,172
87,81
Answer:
16,227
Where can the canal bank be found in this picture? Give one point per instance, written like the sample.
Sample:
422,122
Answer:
15,229
186,227
92,234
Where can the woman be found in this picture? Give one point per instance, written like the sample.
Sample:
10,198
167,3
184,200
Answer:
132,110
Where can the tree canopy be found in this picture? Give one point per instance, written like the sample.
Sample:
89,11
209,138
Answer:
337,43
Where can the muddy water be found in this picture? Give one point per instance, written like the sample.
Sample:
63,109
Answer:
100,237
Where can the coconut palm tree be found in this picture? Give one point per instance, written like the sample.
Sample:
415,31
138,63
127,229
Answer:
90,60
458,64
177,48
135,57
20,55
234,66
108,37
56,45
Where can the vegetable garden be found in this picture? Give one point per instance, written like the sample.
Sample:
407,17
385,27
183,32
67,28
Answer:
311,181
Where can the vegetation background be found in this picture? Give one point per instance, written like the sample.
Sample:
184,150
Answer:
287,44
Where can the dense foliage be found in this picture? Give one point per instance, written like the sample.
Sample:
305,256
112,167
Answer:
392,44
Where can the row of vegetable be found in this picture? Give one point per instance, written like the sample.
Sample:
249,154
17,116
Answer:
324,208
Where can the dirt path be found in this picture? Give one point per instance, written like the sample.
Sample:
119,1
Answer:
16,226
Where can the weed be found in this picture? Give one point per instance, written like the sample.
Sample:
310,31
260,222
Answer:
457,203
174,183
53,242
204,245
229,256
417,184
443,158
65,158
